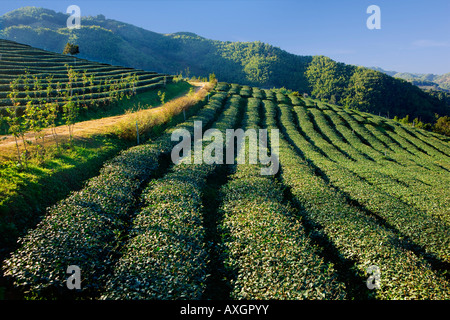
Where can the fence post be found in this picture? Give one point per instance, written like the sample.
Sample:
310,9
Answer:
137,132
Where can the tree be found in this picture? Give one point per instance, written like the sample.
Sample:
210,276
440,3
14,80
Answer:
442,126
71,49
212,78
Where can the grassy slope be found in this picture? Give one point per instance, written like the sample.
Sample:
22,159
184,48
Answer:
26,194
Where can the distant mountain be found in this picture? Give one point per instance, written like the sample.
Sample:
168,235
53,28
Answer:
252,63
390,73
422,80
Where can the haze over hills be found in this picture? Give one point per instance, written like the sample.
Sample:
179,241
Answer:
251,63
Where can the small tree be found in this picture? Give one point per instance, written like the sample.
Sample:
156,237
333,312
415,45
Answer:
187,72
15,128
71,49
70,114
16,123
442,125
212,78
162,96
52,115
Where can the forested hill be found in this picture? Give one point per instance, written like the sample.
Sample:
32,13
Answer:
252,63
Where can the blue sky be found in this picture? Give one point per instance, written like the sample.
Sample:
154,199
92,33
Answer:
414,35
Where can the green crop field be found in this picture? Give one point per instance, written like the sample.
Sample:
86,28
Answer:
30,74
354,190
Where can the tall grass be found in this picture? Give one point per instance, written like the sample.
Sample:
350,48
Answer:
153,119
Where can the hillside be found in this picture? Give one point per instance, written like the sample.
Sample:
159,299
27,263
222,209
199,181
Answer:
354,192
251,63
61,117
94,82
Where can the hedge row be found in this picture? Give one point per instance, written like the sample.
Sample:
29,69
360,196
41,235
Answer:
357,236
86,228
389,191
166,256
267,244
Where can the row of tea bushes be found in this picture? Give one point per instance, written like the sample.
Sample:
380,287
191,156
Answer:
358,181
85,228
267,246
357,236
166,255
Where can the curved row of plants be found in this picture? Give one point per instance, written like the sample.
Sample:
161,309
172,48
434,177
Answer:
394,180
266,243
368,145
166,255
372,142
353,178
377,139
86,228
29,88
358,237
398,144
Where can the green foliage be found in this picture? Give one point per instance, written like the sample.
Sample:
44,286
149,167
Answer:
162,96
166,255
247,63
354,190
71,49
268,247
442,126
315,168
327,79
72,224
212,78
370,91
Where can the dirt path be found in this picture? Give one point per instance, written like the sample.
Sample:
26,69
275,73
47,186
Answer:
83,129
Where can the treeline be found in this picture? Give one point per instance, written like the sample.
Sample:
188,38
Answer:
371,91
247,63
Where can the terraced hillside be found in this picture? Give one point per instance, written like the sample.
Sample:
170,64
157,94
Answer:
93,82
353,191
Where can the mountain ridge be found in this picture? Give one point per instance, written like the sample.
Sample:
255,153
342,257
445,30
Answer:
248,63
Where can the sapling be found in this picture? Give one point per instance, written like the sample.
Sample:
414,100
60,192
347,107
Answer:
15,122
162,96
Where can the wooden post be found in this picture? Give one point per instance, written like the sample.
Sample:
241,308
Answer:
137,132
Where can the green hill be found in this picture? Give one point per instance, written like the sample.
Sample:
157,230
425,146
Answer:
251,63
355,193
94,82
